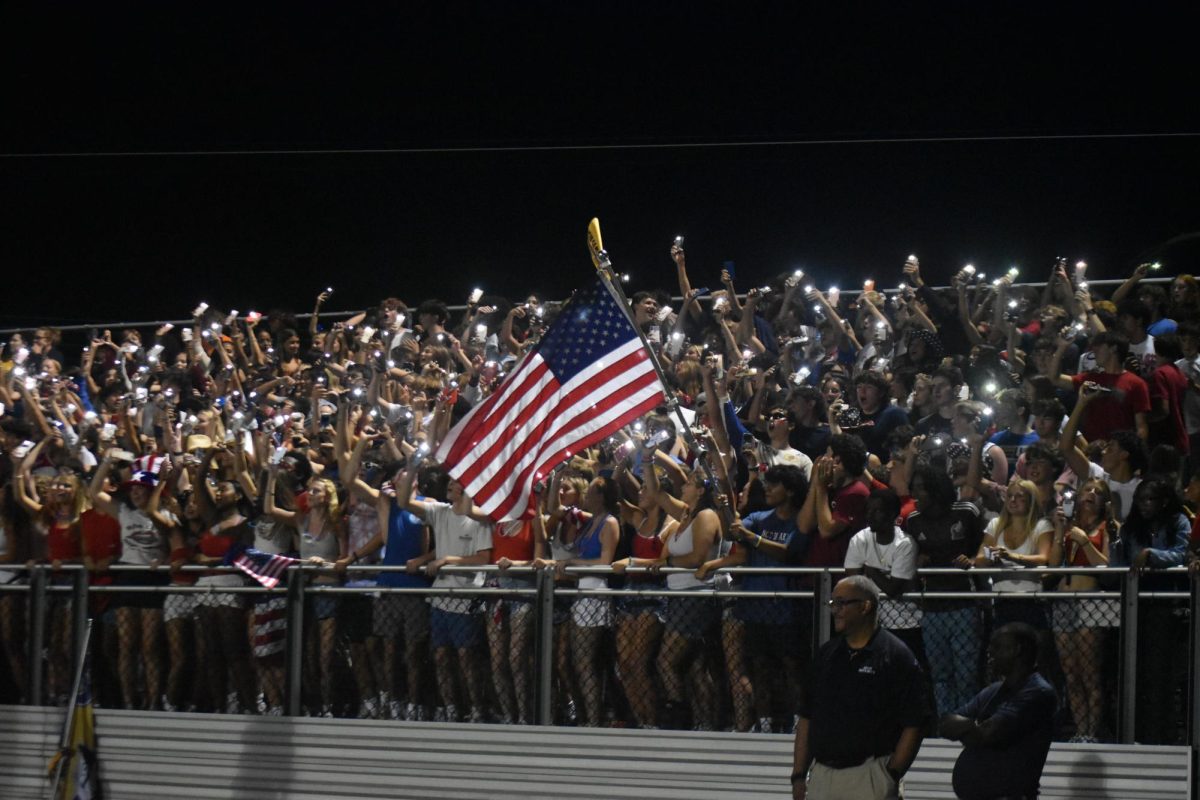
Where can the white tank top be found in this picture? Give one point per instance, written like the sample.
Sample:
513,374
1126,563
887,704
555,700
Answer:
681,544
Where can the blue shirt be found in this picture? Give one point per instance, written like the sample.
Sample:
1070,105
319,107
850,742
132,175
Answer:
1012,765
1013,444
1168,545
405,541
783,531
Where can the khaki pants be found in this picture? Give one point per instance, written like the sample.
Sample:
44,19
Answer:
868,781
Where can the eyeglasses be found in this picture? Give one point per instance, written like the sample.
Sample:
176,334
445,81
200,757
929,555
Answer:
837,604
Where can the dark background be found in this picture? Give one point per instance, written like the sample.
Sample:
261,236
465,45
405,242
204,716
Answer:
144,231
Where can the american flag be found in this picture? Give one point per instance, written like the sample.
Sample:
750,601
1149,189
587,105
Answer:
266,568
587,377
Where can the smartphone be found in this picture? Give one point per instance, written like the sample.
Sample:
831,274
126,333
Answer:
731,268
476,296
23,449
1068,504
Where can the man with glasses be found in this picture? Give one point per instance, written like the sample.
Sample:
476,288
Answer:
861,715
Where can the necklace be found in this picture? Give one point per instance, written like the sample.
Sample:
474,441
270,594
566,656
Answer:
878,555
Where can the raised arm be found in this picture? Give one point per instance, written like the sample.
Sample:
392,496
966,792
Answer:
1130,284
100,498
1076,458
269,507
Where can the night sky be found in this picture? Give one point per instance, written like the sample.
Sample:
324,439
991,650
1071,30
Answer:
159,232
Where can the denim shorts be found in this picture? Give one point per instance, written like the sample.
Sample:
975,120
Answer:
451,629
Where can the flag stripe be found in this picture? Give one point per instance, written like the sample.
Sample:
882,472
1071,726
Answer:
528,378
516,503
523,447
517,432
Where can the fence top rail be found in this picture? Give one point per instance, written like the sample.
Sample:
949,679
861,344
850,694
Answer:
156,323
982,596
609,570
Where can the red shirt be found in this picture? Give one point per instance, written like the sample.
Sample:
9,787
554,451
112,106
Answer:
849,505
514,545
62,543
1168,385
101,538
1113,412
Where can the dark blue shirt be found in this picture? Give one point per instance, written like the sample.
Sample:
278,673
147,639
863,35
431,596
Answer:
1012,765
405,541
774,611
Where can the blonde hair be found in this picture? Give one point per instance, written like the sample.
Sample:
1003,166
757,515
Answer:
580,485
1006,520
331,503
81,501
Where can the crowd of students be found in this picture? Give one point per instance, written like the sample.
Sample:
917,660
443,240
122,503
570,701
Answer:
986,425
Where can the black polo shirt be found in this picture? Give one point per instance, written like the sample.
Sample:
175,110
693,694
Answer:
858,701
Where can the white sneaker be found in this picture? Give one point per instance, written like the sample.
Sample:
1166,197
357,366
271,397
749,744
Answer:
275,711
439,714
476,715
368,710
452,714
167,705
231,703
764,725
419,714
395,711
262,703
327,712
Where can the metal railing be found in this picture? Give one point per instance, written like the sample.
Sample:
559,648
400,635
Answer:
342,651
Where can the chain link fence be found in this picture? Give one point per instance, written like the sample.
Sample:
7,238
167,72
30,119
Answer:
521,647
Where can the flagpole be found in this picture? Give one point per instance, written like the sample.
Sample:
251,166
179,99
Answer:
64,743
603,266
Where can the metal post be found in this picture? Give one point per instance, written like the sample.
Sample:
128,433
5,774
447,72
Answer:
37,634
64,742
1194,668
80,625
1129,647
822,625
294,647
545,647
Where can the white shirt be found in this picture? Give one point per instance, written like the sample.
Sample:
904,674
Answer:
789,456
1122,490
455,535
1028,548
896,559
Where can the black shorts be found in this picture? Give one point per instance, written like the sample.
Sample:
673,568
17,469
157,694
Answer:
354,616
140,599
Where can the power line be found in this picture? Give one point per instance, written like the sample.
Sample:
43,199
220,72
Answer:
586,147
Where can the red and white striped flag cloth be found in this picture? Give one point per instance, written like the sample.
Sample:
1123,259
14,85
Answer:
266,568
586,378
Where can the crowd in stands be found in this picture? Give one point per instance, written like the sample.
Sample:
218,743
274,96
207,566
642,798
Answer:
989,424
